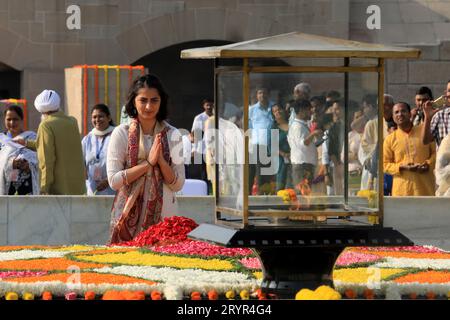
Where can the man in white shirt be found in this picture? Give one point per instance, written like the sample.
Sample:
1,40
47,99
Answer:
197,132
260,122
303,149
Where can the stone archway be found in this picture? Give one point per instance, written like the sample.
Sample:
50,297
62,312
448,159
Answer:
9,86
9,82
161,39
193,25
187,82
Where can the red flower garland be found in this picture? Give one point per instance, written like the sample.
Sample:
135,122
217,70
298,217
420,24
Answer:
170,230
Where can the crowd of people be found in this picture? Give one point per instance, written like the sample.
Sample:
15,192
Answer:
144,160
310,146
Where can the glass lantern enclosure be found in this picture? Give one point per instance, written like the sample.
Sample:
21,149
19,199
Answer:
280,161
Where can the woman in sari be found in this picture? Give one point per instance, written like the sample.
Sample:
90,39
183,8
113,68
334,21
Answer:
19,165
144,162
95,146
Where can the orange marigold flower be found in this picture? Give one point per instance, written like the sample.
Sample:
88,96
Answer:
49,264
155,295
425,277
89,295
112,295
85,278
196,295
350,294
47,295
369,294
123,295
135,295
431,295
413,295
213,295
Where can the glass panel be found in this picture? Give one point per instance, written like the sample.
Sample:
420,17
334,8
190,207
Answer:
229,151
363,139
298,141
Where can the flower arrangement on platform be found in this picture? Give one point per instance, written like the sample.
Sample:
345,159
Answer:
174,267
160,263
393,272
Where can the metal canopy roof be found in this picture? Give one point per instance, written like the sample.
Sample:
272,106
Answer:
300,45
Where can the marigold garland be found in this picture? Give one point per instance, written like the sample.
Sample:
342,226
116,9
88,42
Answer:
183,267
47,295
426,277
50,264
85,278
135,258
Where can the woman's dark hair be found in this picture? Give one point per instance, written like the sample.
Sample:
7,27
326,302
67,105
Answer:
15,108
282,110
103,108
147,81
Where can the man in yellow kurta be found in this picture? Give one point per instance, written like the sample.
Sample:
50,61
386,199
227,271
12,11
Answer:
59,150
406,158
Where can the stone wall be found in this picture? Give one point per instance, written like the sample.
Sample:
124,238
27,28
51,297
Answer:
403,22
404,77
57,220
35,39
54,220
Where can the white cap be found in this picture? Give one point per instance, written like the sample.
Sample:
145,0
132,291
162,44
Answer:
47,101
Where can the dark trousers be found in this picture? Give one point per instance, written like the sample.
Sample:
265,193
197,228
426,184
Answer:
255,168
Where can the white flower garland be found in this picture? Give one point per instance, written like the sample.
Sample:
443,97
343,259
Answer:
400,263
31,254
188,280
